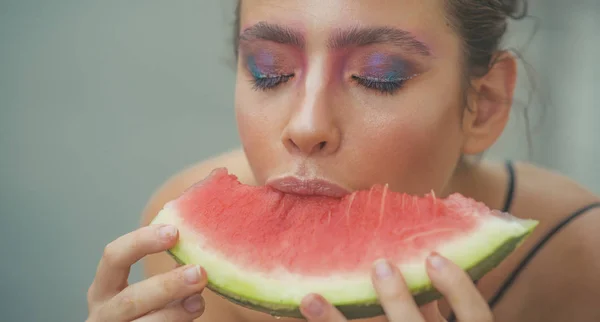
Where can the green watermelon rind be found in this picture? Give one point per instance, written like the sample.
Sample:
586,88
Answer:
355,297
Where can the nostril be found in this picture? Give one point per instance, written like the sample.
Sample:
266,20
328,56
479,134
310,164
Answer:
305,147
293,144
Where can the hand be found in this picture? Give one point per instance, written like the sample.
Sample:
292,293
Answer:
171,296
399,305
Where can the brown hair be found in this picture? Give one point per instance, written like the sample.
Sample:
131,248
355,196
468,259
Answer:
481,24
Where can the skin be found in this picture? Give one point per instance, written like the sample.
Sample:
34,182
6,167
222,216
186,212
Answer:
321,123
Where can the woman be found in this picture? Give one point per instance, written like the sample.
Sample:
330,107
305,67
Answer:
370,91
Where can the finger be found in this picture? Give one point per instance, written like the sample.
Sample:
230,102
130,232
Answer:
394,296
316,309
156,292
431,312
180,311
458,289
119,255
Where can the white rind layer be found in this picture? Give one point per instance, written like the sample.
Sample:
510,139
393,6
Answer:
283,290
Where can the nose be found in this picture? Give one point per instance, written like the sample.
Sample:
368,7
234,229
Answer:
312,128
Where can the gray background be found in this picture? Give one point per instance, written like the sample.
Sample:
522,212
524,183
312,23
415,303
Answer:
101,101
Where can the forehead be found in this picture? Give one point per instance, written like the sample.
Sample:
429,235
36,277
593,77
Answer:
317,20
334,10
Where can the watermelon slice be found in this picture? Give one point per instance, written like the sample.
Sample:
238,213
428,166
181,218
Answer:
266,250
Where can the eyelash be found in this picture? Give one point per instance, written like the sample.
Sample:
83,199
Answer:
384,87
269,82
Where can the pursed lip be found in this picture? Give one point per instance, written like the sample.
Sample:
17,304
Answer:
306,186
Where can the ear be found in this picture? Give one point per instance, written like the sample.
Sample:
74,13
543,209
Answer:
490,103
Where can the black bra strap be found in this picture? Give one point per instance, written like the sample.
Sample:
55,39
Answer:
507,205
511,186
513,276
510,280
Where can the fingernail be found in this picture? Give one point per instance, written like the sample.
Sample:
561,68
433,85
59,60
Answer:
192,274
193,303
437,261
383,269
167,232
315,307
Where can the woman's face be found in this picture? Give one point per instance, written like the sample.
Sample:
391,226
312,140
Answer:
353,92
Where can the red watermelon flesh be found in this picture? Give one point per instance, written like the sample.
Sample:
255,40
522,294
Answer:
266,240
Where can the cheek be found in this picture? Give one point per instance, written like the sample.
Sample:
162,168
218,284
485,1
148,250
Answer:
259,128
412,141
253,111
414,151
416,144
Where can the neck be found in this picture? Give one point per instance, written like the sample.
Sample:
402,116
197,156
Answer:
479,180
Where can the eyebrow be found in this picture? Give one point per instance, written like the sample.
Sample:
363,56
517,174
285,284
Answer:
378,35
356,36
275,33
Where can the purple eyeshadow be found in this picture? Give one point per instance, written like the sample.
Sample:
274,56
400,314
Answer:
384,67
261,65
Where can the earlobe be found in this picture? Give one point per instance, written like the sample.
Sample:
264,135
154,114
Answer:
490,105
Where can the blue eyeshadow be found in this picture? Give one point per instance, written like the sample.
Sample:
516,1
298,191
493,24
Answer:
254,70
260,65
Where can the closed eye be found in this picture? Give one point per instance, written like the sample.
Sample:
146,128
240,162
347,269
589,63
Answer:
269,82
383,86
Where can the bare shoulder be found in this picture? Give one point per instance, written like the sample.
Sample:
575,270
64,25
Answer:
235,162
562,278
543,190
